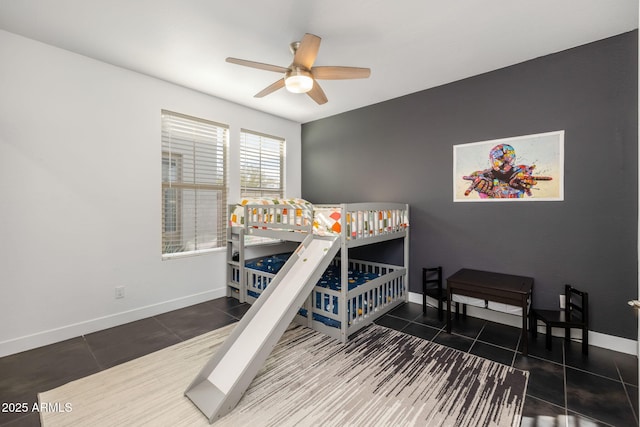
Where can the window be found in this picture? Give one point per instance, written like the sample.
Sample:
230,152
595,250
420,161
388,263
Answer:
194,184
261,165
170,196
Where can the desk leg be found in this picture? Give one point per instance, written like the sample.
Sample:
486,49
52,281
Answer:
525,335
448,310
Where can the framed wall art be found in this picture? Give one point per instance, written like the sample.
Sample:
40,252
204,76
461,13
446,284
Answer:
522,168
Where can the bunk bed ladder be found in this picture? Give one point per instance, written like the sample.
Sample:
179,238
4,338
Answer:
224,379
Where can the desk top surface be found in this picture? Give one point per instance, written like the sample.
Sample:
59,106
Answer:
488,279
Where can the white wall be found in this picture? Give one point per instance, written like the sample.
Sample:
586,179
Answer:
80,199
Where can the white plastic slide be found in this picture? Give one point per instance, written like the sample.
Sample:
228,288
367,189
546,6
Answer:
224,379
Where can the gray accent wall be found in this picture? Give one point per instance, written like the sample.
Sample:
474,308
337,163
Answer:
402,151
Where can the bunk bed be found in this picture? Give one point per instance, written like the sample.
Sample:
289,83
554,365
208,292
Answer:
351,293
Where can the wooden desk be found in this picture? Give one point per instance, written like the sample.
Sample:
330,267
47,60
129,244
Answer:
497,287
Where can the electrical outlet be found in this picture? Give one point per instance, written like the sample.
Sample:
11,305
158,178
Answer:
119,292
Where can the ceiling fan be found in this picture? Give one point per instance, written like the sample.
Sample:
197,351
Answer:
301,75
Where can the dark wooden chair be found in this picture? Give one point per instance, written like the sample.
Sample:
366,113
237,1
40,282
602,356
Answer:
432,287
574,315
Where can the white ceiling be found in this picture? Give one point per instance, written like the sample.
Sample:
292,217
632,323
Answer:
410,45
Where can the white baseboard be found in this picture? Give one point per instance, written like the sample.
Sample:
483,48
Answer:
51,336
597,339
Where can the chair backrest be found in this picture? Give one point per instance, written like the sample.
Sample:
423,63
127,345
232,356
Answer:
436,274
576,304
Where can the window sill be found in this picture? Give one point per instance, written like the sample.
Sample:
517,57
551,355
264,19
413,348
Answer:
177,255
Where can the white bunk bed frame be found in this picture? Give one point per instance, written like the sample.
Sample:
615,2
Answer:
356,308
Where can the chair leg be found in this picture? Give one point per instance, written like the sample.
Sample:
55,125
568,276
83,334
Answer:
567,334
548,337
533,325
424,302
440,310
585,341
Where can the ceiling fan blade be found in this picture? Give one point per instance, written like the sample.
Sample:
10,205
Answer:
270,89
317,94
340,73
307,51
258,65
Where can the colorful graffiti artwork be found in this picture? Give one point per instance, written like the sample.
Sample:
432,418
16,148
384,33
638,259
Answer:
503,175
504,179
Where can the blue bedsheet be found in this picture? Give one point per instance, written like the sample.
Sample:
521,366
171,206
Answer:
268,264
330,279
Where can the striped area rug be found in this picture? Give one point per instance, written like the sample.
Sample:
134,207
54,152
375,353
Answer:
381,377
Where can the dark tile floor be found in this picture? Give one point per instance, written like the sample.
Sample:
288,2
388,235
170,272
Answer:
565,388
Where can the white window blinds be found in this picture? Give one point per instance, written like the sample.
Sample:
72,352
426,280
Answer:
194,184
261,165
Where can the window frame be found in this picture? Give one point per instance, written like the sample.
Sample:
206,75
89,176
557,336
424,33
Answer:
175,234
216,137
261,191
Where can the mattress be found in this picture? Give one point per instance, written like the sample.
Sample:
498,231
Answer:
299,213
326,219
269,264
330,279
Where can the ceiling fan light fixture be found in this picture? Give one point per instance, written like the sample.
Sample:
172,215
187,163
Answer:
298,80
301,76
